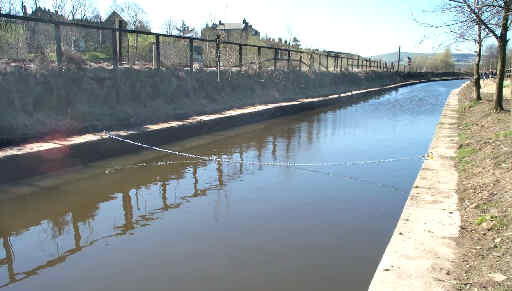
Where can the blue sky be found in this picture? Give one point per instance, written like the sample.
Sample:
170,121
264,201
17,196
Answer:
366,27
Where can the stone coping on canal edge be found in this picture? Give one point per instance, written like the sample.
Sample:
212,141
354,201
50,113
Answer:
39,158
422,249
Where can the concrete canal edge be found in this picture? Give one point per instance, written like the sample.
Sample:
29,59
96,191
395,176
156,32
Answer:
422,249
59,155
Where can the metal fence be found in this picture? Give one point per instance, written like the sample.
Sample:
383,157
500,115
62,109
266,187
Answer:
41,43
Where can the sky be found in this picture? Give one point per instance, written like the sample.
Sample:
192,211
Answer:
365,27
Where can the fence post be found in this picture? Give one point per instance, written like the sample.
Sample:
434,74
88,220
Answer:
115,44
300,63
341,64
260,65
191,54
289,60
58,47
115,57
276,51
217,56
327,62
352,63
358,66
156,53
240,57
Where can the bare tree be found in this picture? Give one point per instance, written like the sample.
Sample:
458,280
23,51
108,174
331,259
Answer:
132,12
169,26
10,6
135,15
470,29
3,5
59,6
34,4
459,22
494,16
80,9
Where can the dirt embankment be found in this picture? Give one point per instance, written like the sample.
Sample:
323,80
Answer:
54,104
484,188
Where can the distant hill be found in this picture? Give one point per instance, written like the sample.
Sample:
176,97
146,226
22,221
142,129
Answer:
458,59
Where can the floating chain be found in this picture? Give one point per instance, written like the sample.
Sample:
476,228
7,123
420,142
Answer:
279,164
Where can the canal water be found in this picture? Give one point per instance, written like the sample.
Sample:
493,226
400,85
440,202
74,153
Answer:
153,221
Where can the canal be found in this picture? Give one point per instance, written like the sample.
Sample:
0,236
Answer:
153,221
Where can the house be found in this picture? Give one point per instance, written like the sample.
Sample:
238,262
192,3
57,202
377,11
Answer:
235,32
106,36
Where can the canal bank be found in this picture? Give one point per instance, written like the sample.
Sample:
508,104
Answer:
58,155
421,252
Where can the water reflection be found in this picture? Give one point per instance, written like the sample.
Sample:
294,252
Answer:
107,206
67,206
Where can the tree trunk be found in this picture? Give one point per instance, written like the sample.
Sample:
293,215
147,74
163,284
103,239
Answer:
502,58
478,97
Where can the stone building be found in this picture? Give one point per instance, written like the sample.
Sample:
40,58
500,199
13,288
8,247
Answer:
235,32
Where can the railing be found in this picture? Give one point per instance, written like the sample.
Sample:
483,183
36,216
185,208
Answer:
150,50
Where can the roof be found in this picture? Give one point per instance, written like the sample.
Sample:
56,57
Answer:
114,14
229,26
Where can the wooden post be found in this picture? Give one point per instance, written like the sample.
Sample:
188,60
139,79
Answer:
115,44
289,60
260,65
154,56
276,51
157,40
300,63
156,53
217,56
58,47
240,56
115,56
191,54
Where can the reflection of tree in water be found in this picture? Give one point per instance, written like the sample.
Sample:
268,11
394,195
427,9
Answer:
76,211
9,257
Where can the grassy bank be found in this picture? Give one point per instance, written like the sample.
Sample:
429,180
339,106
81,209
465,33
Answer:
52,104
485,193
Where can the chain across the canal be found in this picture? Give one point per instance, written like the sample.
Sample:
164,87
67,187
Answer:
263,163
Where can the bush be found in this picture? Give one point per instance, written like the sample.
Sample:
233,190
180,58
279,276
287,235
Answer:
95,57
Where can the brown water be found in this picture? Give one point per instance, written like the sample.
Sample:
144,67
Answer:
116,225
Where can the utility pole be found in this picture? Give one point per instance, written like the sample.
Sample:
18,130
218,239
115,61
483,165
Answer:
398,67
